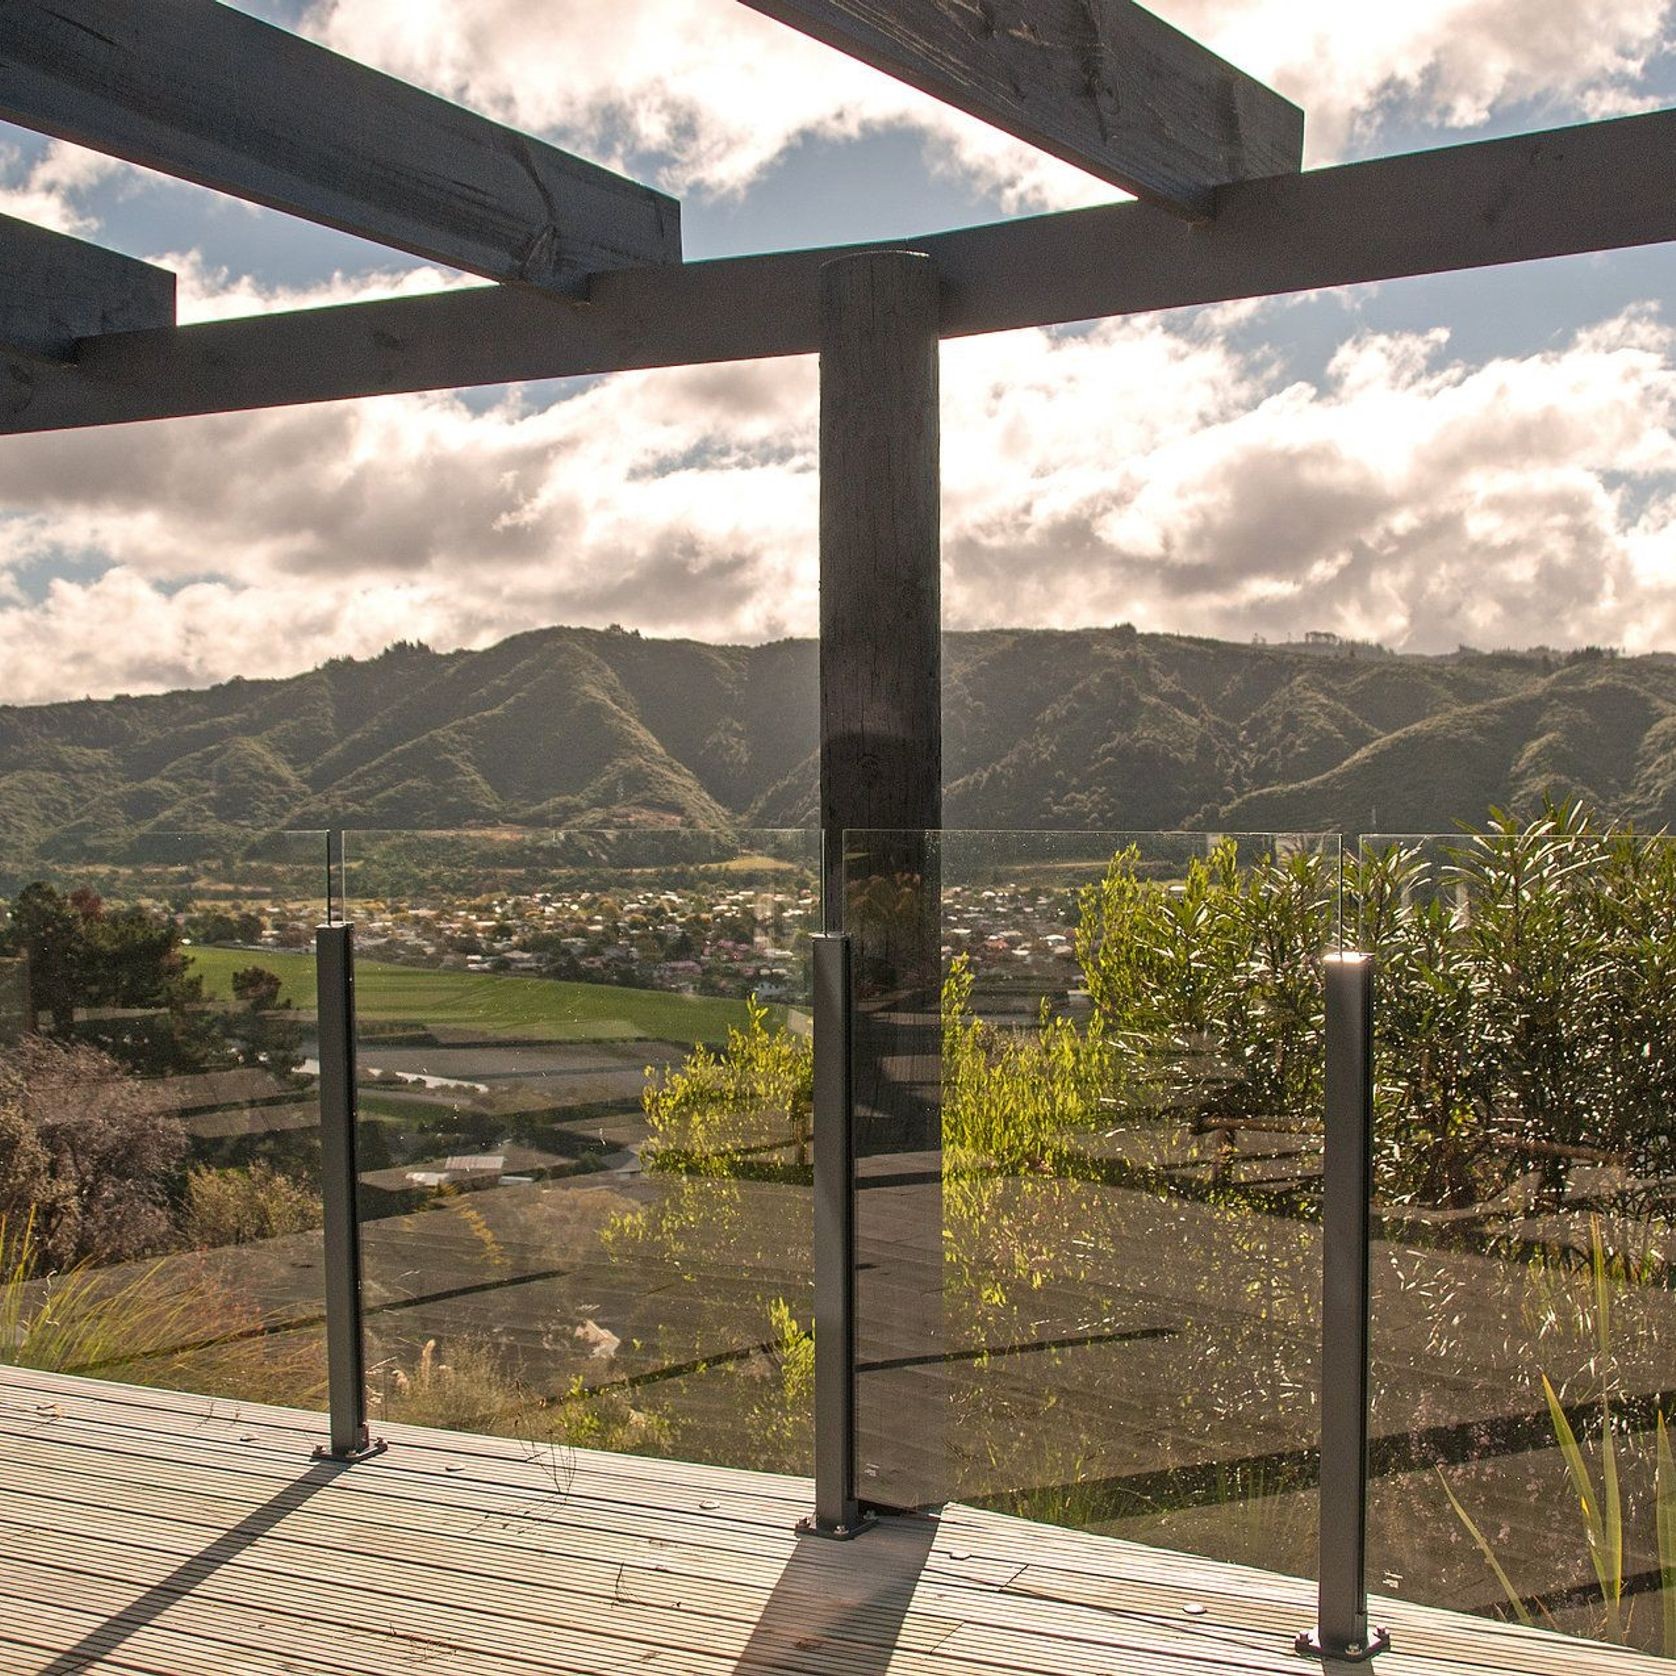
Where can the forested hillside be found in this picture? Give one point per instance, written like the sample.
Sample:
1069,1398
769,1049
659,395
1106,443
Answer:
1095,728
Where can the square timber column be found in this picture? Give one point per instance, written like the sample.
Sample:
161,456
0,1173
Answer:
881,782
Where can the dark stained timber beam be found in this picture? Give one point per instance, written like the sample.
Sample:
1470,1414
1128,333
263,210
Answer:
56,290
881,753
1601,186
1101,83
198,90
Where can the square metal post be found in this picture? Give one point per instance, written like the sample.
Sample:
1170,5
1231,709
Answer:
334,949
837,1513
1341,1631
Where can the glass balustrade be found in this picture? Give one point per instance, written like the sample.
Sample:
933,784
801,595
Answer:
160,1206
584,1091
1087,1074
1524,1322
1087,1082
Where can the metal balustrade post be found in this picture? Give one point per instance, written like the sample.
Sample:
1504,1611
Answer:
1341,1632
334,949
837,1511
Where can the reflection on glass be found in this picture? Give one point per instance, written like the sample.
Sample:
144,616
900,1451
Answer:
585,1085
1102,1306
1524,1325
159,1151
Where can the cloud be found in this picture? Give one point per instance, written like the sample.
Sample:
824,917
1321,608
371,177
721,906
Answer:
1143,470
211,291
1407,497
683,502
708,95
1449,64
49,185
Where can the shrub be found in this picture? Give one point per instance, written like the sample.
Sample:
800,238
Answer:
236,1206
83,1154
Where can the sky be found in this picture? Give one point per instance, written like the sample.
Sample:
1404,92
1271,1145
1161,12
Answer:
1484,459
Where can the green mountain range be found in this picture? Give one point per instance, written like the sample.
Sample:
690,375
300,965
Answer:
1089,728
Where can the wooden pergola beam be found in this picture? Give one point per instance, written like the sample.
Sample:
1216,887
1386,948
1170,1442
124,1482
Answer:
1600,186
56,291
1102,84
211,95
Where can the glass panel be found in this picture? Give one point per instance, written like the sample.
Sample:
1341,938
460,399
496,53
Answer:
586,1075
1096,1292
1524,1325
160,1202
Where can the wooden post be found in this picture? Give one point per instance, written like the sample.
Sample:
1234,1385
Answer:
880,550
881,771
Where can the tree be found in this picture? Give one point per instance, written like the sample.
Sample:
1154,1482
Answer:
83,954
257,987
264,1031
235,1206
49,933
131,958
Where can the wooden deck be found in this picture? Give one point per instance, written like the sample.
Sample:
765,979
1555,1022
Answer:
155,1534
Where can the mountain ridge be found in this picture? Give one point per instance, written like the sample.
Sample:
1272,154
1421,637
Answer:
1076,728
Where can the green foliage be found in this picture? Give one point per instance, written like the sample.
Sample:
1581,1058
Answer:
780,1418
130,1324
82,954
256,987
1010,1097
720,1110
263,1027
47,931
1527,994
609,1420
1208,990
717,1118
65,1318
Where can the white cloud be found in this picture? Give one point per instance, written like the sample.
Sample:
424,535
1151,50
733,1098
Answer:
49,186
719,93
708,95
682,502
1449,64
709,89
206,291
1143,470
1407,497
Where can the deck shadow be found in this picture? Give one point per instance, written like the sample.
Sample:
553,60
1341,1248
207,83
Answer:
105,1638
841,1601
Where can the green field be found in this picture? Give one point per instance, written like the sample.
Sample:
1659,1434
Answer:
537,1009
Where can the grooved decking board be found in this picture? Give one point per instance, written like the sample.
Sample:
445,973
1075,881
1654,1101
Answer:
156,1534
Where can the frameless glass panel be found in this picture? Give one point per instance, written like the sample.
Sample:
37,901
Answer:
585,1082
160,1212
1093,1296
1524,1323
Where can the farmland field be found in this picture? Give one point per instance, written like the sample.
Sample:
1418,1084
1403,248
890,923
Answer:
539,1009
